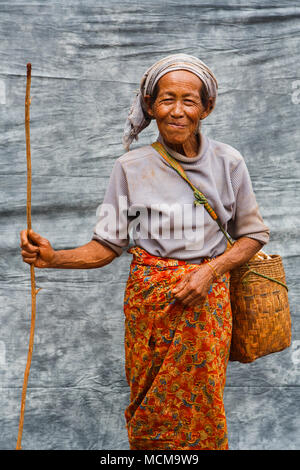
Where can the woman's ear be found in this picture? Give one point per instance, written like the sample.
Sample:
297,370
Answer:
209,108
148,101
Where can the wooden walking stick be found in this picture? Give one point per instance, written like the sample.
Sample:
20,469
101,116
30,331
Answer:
32,275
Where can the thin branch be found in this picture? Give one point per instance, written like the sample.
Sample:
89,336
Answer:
32,274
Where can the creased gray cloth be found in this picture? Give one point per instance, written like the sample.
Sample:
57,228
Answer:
138,118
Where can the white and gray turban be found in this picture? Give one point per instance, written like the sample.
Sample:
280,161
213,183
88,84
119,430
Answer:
138,117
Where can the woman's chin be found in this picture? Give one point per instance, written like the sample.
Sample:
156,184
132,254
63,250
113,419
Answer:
175,139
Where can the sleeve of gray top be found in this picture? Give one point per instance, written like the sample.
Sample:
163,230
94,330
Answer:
111,228
247,220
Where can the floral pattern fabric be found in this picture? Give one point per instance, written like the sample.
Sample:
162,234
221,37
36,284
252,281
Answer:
175,358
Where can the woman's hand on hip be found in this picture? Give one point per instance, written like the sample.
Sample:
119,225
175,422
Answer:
36,250
194,286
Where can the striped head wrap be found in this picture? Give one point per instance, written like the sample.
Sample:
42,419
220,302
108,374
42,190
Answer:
138,118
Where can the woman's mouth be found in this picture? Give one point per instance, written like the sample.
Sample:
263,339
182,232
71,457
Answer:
176,125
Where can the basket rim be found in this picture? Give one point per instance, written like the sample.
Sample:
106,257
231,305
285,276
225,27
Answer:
275,260
272,267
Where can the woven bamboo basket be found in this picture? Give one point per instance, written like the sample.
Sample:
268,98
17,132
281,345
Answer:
260,310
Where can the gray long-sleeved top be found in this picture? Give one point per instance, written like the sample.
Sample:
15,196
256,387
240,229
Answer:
147,200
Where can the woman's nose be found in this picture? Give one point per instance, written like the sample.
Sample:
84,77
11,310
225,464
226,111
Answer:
177,109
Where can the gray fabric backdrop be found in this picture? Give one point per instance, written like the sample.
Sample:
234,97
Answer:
87,59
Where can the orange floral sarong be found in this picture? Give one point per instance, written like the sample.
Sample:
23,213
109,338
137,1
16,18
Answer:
175,358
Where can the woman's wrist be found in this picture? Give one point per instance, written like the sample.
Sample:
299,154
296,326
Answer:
215,274
241,252
55,259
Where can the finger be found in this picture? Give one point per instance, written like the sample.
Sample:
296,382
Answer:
197,301
28,254
181,285
28,247
187,301
23,237
36,237
29,260
191,293
193,299
184,293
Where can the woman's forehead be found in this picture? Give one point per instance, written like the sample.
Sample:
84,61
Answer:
180,80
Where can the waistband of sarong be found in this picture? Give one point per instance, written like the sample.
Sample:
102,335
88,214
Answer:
141,256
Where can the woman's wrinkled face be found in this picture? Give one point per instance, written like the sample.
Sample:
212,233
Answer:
178,108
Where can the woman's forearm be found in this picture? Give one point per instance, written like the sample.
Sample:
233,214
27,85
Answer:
38,251
91,255
241,252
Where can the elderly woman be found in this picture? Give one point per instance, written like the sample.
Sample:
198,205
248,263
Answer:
177,306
